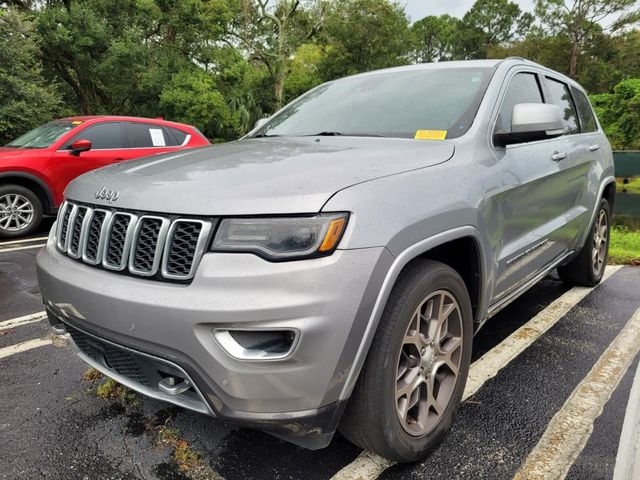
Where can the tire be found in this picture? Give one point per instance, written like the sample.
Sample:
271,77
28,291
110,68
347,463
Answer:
20,211
372,419
587,268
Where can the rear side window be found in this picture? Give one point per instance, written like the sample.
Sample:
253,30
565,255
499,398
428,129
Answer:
145,135
524,88
102,136
561,97
176,136
587,118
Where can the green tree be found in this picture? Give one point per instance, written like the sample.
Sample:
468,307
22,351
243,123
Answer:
364,35
26,99
436,38
492,22
619,113
580,20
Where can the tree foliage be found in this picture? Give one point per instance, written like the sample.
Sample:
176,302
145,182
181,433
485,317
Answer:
619,113
222,64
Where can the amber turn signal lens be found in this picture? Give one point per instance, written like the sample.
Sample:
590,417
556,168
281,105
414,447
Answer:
336,227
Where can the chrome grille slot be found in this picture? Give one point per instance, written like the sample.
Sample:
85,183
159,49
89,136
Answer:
119,237
150,235
95,237
185,243
144,245
64,225
75,230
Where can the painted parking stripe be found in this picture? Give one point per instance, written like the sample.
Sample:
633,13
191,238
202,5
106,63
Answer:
628,457
488,366
24,240
16,322
570,429
15,249
369,466
24,346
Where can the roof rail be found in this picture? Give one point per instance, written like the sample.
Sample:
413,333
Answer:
516,58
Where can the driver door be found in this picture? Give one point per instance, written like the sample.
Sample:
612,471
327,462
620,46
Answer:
108,146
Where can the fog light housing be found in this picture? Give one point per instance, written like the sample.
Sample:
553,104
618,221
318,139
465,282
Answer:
257,345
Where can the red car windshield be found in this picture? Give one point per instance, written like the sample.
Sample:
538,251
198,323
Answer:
43,136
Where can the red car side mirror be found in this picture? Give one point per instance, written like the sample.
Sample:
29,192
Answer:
80,146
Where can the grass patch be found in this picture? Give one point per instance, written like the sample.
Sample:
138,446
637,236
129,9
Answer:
187,459
625,246
112,390
632,185
91,375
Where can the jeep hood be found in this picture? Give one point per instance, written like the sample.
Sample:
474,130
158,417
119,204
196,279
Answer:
256,175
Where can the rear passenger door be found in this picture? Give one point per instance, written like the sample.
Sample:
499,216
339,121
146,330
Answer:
537,204
150,139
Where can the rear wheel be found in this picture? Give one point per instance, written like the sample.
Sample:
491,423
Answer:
587,268
20,211
414,376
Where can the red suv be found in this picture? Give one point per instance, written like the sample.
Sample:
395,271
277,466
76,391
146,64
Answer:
36,168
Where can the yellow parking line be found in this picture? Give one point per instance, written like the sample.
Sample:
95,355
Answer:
570,429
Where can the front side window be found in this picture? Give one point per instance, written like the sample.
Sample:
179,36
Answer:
523,88
43,136
587,118
560,96
387,104
102,136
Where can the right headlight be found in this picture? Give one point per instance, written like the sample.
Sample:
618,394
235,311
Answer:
281,238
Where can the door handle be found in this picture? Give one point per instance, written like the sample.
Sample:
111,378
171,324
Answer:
594,147
117,160
557,156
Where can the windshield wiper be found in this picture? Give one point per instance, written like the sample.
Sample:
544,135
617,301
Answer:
340,134
264,135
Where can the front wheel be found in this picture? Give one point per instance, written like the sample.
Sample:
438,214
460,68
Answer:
587,268
414,376
20,211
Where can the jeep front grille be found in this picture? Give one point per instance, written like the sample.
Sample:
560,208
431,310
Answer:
132,242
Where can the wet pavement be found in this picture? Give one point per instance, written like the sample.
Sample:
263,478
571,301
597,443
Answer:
55,424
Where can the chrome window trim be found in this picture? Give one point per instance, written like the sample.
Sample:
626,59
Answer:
162,238
101,241
197,255
127,241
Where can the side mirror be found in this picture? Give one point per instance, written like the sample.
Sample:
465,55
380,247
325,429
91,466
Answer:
531,122
80,146
260,123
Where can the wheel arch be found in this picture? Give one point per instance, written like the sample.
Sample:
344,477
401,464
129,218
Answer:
440,247
33,183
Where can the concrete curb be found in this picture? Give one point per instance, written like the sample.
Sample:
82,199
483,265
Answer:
628,458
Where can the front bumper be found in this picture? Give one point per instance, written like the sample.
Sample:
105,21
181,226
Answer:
327,300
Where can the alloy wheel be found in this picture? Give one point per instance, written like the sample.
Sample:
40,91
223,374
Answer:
16,212
429,363
600,242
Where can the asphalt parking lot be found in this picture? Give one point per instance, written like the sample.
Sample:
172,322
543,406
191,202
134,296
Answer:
547,397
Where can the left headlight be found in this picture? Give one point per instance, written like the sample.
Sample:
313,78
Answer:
281,238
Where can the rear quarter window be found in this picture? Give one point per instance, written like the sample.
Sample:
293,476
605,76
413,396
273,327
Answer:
560,96
585,112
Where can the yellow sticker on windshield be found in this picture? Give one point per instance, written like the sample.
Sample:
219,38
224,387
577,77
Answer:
76,122
431,135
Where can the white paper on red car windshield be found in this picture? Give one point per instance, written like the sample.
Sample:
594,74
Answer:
157,137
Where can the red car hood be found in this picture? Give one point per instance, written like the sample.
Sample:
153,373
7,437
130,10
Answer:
6,152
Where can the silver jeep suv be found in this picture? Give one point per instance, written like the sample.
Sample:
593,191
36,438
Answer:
329,270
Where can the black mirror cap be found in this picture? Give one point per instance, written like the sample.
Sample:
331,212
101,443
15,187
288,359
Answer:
502,139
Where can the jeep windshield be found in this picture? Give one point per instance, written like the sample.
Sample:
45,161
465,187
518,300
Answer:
43,136
431,103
